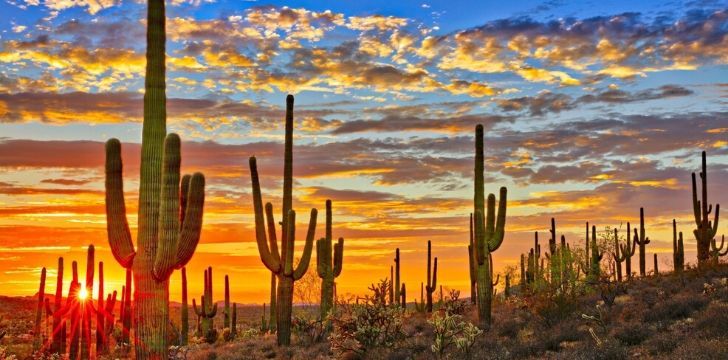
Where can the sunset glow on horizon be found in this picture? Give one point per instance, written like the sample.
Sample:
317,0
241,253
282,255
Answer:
591,111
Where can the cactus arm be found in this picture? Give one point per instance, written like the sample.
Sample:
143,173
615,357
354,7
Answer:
696,203
260,233
272,238
165,258
495,242
212,312
320,263
714,230
117,226
194,306
307,248
338,257
434,275
490,218
183,192
289,240
715,248
189,236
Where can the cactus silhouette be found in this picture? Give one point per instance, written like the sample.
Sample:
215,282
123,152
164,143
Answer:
596,257
403,295
431,277
678,250
628,251
397,296
717,251
226,311
100,313
185,312
38,339
207,310
619,258
706,230
642,241
328,265
282,264
169,220
59,325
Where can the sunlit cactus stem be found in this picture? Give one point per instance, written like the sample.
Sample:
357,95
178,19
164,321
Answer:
619,258
329,263
431,277
185,312
706,230
489,231
642,241
678,250
227,313
38,339
58,325
628,250
281,264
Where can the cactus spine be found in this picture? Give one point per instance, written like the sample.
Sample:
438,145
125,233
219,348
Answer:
489,230
396,278
618,258
678,250
628,251
641,240
38,340
282,264
706,230
431,276
207,309
327,270
185,312
169,220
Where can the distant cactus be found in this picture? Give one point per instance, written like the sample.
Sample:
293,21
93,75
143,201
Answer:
227,311
431,277
38,339
489,230
618,258
642,240
100,315
654,267
715,251
421,307
596,258
282,264
59,325
207,310
507,290
86,309
403,295
523,271
75,319
706,230
396,276
234,322
185,312
169,220
628,250
391,285
678,250
126,307
328,265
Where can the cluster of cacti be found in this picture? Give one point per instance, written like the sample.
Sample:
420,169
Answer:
642,241
678,250
170,218
207,310
531,273
706,230
328,265
431,277
282,264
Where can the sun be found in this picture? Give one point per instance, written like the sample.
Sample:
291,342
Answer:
83,294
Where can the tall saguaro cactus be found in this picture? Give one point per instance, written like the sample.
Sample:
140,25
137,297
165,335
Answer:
628,251
327,268
169,219
489,231
282,264
706,230
642,241
431,276
227,313
596,257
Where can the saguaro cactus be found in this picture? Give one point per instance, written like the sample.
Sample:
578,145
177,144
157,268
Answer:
185,312
489,231
628,251
706,230
326,269
715,251
169,220
38,340
207,309
641,240
596,257
391,284
618,258
654,267
431,276
227,313
86,309
59,326
75,320
678,250
282,264
100,316
523,271
403,295
472,266
396,277
234,322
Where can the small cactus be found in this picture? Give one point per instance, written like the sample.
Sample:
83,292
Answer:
328,265
628,250
678,250
207,310
618,258
642,240
431,277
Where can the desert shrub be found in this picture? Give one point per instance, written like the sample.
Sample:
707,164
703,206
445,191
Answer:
611,350
564,331
703,349
632,334
509,328
525,349
554,308
452,330
227,334
359,327
663,343
309,331
714,320
674,308
453,304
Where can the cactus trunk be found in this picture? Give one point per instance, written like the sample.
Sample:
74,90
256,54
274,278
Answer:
328,265
38,340
185,321
706,229
58,324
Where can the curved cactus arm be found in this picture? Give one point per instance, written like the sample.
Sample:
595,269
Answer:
117,226
321,267
717,249
260,233
189,235
496,240
714,229
197,310
272,239
212,311
338,257
307,248
696,203
165,258
183,192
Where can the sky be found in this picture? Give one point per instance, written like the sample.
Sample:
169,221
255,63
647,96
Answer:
592,109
